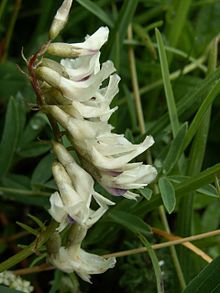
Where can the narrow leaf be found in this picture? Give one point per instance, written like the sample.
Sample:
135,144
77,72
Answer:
167,193
27,228
96,10
131,222
153,257
167,85
9,137
207,280
194,126
4,289
174,152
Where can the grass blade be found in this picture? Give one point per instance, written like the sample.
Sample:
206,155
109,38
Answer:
97,11
167,85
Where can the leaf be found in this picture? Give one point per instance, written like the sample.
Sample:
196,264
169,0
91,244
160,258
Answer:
33,128
37,221
146,192
4,289
27,228
187,104
120,28
26,197
174,152
207,280
155,262
167,193
34,149
9,137
201,112
190,184
11,81
97,11
42,173
173,115
131,106
131,222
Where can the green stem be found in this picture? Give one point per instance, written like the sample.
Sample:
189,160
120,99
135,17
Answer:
32,248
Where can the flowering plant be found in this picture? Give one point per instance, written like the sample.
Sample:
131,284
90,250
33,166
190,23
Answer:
75,98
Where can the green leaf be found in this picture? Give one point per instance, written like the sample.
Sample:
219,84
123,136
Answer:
155,262
167,85
146,192
174,152
37,221
11,81
4,289
131,106
42,172
120,28
131,222
25,196
195,124
27,228
207,280
167,193
97,11
9,137
33,128
190,184
188,103
34,149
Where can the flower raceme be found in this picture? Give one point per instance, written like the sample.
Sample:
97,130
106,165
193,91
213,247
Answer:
82,106
75,97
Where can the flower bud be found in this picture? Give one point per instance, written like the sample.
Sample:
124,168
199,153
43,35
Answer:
64,50
60,19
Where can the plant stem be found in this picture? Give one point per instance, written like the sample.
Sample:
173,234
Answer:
32,248
135,84
188,68
164,244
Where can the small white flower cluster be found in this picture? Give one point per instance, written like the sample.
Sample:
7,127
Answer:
76,99
10,280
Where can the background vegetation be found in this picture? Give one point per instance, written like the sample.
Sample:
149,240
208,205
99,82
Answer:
174,72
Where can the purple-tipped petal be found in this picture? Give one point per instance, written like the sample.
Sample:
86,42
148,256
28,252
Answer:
113,173
117,191
70,220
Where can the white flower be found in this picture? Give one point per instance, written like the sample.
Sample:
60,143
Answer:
79,129
72,202
82,90
90,46
112,151
74,259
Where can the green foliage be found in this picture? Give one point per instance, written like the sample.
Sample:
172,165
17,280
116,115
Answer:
179,87
207,280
